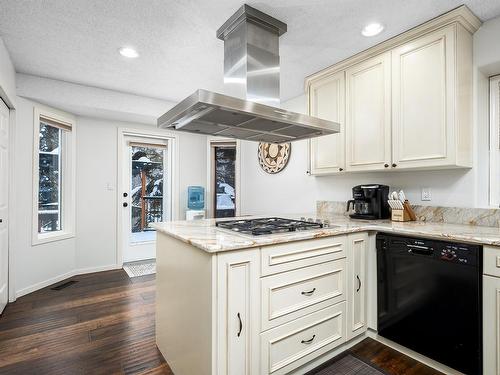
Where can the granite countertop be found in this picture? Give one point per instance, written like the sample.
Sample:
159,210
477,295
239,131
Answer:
204,235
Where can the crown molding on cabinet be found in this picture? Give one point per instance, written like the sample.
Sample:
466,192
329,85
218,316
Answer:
461,15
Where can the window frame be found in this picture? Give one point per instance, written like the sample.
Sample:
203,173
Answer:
494,146
68,176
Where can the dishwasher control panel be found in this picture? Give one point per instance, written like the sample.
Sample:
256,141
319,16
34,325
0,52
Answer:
440,250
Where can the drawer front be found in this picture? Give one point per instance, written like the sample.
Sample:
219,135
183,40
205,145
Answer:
293,255
290,295
491,260
293,344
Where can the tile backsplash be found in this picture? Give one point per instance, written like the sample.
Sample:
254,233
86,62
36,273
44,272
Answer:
435,214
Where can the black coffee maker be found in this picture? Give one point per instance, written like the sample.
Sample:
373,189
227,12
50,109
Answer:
370,202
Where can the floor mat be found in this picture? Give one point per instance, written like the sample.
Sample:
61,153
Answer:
140,268
347,365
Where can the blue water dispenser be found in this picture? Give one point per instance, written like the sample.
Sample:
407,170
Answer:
196,198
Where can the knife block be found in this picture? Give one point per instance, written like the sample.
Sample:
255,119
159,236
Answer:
405,214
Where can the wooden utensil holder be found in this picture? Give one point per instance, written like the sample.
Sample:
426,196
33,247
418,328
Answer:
406,214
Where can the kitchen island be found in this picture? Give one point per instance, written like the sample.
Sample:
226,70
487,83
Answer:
231,303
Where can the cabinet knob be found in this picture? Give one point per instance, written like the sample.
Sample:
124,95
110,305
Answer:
341,169
125,204
359,283
394,165
386,165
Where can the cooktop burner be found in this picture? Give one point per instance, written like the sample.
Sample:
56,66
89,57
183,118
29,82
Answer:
268,225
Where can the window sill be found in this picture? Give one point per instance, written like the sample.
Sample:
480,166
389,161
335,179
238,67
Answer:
40,239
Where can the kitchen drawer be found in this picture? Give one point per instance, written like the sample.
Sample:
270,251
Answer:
293,255
290,295
491,261
291,345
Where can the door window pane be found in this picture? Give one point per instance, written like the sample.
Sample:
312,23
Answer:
49,186
146,191
225,194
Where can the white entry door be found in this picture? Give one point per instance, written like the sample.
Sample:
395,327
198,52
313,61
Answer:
145,193
4,207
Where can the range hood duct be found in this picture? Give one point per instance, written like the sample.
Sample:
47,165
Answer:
251,77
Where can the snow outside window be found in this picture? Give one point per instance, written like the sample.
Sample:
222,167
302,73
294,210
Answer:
53,180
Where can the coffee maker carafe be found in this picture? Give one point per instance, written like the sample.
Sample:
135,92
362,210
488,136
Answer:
370,202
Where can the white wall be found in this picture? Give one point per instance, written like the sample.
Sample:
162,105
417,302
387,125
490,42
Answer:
95,244
34,266
7,77
293,191
97,151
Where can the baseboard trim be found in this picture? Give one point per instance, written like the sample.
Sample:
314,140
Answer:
56,279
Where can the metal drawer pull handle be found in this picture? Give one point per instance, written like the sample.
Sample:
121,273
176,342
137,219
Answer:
241,325
359,283
308,293
308,341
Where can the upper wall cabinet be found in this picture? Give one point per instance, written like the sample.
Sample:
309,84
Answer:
327,101
368,109
426,119
408,101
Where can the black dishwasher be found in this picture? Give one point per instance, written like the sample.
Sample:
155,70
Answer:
429,298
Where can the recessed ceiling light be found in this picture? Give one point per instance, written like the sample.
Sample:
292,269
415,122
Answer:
128,52
372,29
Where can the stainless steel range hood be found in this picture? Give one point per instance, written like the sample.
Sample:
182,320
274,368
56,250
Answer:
251,76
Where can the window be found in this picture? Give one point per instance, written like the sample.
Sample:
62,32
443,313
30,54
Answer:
495,141
146,189
53,180
223,181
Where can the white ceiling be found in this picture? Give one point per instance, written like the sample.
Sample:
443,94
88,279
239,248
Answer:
77,40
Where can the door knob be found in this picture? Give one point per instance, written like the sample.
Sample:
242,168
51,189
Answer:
125,204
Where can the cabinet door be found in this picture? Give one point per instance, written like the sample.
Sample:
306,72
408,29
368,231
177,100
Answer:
368,114
356,284
423,101
491,325
238,312
327,101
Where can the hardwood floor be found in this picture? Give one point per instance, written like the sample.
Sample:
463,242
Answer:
390,360
104,324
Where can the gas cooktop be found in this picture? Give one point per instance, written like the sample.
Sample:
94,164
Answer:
269,225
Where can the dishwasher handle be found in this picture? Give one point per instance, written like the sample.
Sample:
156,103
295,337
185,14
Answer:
420,250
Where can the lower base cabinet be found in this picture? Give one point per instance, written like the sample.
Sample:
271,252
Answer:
491,325
283,306
238,306
357,248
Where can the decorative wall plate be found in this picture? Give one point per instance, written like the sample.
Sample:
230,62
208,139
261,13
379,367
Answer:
273,157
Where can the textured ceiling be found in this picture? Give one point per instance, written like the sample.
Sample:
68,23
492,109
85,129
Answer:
77,40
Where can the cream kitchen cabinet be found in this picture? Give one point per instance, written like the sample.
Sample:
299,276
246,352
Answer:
431,100
491,324
368,114
408,101
238,312
357,249
491,310
327,101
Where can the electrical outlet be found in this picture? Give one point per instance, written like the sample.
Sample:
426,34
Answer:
426,194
